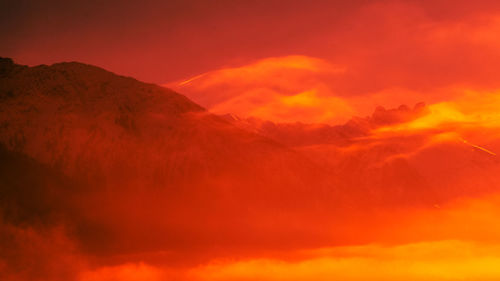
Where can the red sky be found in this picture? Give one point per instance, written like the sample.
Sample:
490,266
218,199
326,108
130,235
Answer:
391,52
162,41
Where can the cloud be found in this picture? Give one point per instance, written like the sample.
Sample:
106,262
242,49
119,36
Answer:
304,106
385,53
441,260
38,254
472,110
283,89
125,272
457,241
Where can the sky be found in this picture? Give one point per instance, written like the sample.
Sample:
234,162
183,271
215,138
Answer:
385,52
158,41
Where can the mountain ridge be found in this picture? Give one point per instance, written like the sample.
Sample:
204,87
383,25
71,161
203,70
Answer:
147,156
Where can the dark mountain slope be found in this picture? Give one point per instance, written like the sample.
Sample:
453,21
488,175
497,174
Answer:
153,166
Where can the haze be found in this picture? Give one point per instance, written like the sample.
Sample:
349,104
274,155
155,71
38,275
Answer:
249,140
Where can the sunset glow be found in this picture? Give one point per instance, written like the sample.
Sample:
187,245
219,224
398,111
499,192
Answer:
245,140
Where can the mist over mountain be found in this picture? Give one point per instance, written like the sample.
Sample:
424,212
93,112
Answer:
390,168
98,168
303,134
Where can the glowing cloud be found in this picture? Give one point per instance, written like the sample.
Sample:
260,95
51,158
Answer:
304,106
124,272
442,260
284,89
457,241
470,111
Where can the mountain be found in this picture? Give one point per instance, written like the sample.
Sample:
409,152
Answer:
389,168
302,134
143,163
